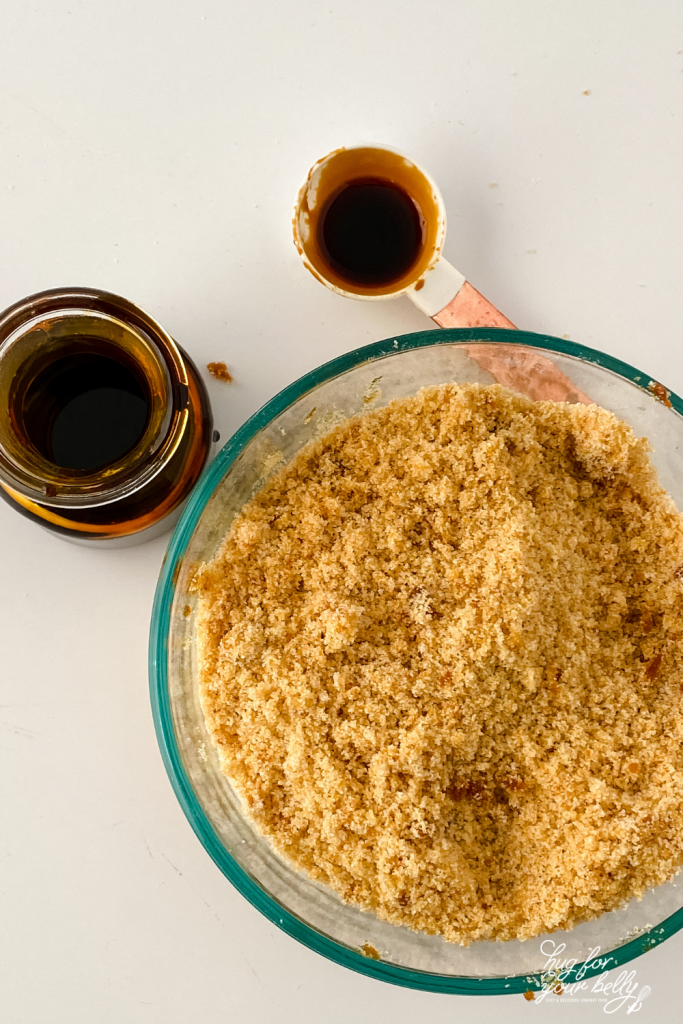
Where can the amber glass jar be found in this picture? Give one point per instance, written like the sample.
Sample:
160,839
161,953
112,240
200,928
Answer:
105,424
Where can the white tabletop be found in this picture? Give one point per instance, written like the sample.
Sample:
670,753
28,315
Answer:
154,149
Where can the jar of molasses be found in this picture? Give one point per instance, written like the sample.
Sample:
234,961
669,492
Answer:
105,424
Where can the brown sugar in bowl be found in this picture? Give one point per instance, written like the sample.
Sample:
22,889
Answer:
312,912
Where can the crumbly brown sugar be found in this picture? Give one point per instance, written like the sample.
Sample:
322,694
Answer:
441,661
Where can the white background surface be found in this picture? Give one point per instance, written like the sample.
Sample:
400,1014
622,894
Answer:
154,149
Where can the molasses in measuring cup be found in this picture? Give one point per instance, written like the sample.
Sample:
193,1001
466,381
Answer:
370,223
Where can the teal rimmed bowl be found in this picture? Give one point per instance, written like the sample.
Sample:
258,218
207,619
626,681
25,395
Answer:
306,910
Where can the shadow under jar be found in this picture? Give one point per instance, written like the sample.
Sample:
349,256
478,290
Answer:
105,424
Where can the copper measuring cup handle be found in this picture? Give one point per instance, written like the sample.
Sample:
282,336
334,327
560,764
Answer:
523,370
469,308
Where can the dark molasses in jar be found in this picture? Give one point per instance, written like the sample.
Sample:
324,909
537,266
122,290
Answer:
105,424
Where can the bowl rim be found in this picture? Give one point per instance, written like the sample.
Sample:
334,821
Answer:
288,922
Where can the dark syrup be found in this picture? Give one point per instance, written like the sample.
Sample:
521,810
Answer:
371,232
85,411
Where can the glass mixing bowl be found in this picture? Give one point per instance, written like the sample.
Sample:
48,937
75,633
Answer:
304,909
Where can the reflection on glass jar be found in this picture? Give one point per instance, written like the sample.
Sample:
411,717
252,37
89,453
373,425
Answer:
105,424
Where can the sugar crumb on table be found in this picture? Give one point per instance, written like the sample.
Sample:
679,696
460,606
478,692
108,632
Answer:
440,659
220,372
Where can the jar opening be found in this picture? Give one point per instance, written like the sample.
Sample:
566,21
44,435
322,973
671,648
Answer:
86,410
